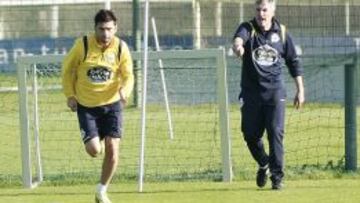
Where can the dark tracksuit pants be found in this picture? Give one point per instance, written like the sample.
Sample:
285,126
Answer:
258,117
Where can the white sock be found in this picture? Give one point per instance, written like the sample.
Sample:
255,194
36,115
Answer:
101,188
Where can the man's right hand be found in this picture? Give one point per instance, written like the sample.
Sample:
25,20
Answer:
122,97
238,47
72,103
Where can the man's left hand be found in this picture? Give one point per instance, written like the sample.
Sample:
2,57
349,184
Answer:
299,99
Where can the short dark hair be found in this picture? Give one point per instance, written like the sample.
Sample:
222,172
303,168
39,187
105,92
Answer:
103,16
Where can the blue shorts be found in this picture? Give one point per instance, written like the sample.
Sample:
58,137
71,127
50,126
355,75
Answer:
100,121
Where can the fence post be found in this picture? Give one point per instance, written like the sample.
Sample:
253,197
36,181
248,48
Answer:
350,117
136,43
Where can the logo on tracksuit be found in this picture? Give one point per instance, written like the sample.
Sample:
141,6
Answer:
265,55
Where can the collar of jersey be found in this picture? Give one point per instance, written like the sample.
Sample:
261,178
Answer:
275,25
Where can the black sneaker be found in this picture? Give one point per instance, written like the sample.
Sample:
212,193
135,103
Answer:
262,176
276,185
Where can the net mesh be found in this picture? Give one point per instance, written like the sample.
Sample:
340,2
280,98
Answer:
193,153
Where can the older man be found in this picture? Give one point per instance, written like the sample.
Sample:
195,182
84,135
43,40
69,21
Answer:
262,43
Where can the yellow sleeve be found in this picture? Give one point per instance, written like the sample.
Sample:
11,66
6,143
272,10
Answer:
71,61
126,70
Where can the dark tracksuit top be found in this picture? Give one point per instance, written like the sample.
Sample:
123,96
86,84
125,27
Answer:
263,91
263,61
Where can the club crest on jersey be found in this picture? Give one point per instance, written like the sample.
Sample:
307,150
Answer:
275,38
265,55
99,74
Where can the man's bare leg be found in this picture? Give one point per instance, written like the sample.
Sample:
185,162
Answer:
93,147
109,166
110,160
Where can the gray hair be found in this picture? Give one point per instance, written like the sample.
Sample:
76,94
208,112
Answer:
273,2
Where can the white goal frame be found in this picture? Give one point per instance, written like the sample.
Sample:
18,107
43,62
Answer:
30,61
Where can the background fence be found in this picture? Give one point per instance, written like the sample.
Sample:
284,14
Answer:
327,34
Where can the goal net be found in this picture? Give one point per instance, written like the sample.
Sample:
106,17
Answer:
197,99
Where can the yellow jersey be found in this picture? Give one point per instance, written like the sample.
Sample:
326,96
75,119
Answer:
95,79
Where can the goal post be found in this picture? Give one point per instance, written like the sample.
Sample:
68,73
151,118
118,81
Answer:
40,74
29,126
24,129
222,98
223,101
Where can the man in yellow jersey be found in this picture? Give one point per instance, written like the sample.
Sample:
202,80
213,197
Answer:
97,80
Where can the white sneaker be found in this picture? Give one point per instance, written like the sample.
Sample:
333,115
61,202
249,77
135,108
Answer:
101,197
